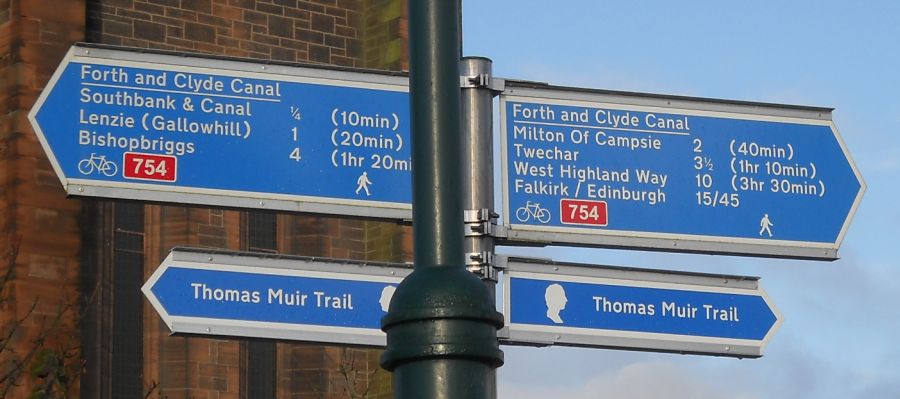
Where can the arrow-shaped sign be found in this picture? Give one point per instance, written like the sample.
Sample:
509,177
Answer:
674,173
191,129
584,305
295,298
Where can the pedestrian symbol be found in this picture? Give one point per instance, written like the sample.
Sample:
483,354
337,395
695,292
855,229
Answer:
765,225
363,182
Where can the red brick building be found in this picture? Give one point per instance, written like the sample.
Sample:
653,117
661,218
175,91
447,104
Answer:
74,322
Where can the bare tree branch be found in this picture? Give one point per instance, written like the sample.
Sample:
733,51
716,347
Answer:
153,387
53,367
353,376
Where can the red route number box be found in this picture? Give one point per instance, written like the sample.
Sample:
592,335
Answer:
583,212
149,167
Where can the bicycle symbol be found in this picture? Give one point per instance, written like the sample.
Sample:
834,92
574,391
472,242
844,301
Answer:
532,210
97,163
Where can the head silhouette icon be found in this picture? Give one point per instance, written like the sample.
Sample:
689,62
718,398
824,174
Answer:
386,294
556,300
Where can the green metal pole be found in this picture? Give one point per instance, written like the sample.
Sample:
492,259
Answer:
442,324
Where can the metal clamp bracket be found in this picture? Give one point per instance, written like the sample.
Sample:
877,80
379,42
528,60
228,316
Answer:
482,264
483,81
480,222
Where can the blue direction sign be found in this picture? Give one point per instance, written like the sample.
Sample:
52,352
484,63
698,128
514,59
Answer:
673,173
585,305
302,299
220,132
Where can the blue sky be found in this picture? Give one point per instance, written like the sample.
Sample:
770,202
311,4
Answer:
841,318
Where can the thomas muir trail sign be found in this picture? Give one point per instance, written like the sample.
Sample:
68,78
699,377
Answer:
626,308
253,295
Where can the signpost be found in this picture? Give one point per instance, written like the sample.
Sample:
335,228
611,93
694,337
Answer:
293,298
585,305
673,173
583,167
186,129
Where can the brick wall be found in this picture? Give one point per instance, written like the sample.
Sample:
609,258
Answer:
385,35
34,213
323,31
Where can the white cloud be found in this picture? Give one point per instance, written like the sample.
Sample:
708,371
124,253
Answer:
885,163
